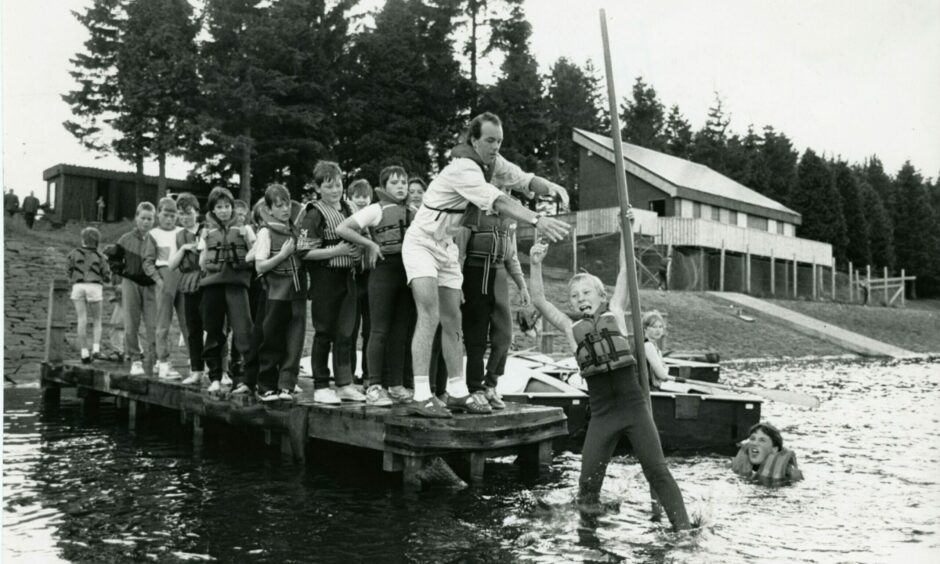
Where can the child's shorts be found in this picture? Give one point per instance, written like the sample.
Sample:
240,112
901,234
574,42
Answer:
88,291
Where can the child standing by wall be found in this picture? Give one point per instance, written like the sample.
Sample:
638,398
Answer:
186,263
361,195
137,253
284,313
88,272
390,299
169,299
225,284
331,266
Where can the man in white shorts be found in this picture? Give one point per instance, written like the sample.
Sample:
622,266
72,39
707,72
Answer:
477,175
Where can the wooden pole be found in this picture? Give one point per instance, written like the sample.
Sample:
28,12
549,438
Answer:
624,199
795,286
814,279
886,287
867,284
773,275
574,250
903,287
850,283
721,268
669,267
833,273
747,269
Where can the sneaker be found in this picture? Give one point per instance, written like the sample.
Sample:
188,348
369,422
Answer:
166,372
401,394
376,396
241,389
215,387
297,389
226,381
327,396
137,368
163,368
194,378
467,404
350,393
492,396
285,395
432,408
269,396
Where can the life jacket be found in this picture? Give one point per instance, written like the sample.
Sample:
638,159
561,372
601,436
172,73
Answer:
774,469
281,233
331,218
190,261
226,249
396,217
601,345
87,266
489,235
465,151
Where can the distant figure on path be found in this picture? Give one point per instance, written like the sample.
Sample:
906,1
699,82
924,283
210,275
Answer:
11,202
763,457
30,207
100,205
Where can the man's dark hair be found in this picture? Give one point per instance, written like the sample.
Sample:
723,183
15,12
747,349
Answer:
476,124
775,437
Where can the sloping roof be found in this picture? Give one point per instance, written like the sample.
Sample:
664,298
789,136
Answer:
684,179
106,174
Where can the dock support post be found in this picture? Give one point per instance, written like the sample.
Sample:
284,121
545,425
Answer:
721,268
89,399
51,391
536,458
833,278
851,289
198,431
297,426
477,462
887,299
773,275
392,462
132,414
411,473
56,325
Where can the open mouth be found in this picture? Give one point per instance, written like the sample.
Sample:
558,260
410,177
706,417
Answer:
586,308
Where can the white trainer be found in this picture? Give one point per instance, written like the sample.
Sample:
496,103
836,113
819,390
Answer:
327,396
350,393
215,387
194,378
137,368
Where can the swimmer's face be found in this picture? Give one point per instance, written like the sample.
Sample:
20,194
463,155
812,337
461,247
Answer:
585,297
759,447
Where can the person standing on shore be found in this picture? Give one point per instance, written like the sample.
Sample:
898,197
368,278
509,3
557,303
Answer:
30,207
478,175
11,203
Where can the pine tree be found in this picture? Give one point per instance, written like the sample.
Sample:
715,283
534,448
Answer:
880,228
156,76
404,91
745,163
574,100
518,97
678,134
644,118
874,173
780,159
710,143
915,237
816,198
856,224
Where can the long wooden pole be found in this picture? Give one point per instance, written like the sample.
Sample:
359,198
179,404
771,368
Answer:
625,229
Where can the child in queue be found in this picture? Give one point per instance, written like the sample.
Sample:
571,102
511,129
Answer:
331,264
168,300
186,263
390,298
136,252
225,285
619,404
360,193
416,189
283,314
88,272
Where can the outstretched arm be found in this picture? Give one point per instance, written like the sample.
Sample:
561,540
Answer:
537,290
619,301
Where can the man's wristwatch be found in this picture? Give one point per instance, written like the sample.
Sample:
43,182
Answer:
535,220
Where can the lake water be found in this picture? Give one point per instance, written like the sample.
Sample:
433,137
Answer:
79,488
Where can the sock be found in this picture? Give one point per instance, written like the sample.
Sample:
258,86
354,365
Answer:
84,352
96,348
422,388
457,387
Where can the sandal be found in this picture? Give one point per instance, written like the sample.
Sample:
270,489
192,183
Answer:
466,404
432,408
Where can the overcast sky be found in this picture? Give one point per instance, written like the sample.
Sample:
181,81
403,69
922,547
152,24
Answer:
845,78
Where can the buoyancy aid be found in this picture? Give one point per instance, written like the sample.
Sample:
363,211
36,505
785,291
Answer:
465,151
489,235
329,220
226,249
87,266
601,345
778,466
281,233
396,217
190,261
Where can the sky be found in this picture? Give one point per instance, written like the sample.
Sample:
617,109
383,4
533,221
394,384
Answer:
847,79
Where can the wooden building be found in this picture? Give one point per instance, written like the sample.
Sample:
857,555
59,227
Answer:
72,192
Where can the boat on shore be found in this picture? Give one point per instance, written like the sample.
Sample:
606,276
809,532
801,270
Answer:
690,416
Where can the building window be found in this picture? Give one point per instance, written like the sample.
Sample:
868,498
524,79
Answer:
716,213
780,225
733,217
696,210
658,206
754,222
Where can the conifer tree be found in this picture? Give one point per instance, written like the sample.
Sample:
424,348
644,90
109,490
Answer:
915,237
880,228
678,134
644,117
856,224
874,173
780,159
710,143
816,198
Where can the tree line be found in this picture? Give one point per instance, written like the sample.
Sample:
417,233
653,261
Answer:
253,91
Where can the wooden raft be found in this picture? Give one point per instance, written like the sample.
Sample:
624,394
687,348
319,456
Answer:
407,443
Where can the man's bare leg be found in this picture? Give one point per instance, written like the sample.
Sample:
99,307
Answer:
452,341
425,292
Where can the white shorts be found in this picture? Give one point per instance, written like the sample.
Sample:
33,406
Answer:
88,291
426,257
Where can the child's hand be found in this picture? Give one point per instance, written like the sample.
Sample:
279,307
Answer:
188,247
288,248
343,248
373,254
629,214
537,253
524,297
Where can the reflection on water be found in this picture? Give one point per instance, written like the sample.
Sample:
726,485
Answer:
83,488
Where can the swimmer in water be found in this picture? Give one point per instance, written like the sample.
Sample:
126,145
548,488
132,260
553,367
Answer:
762,456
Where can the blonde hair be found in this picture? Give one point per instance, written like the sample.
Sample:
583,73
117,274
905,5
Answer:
652,317
590,278
91,237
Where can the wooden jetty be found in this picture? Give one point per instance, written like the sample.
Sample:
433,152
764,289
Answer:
407,443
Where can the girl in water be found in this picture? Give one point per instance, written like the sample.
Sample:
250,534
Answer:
617,399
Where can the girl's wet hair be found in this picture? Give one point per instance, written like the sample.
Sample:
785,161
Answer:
218,194
651,317
389,172
91,237
582,277
775,437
